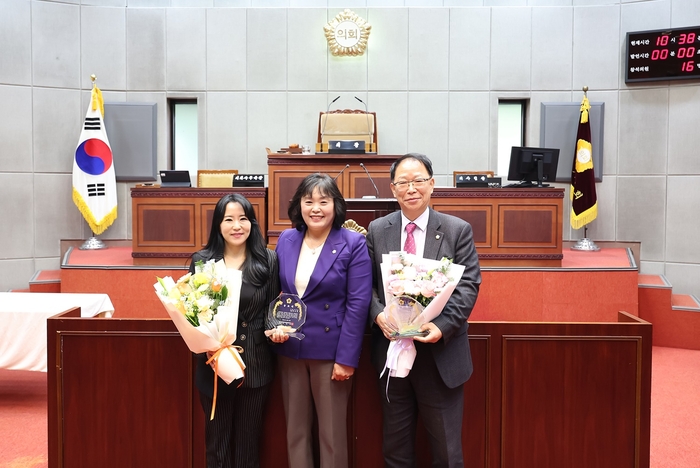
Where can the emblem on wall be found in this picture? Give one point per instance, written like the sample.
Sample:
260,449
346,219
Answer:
347,34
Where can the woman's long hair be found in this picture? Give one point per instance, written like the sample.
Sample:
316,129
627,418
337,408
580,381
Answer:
256,269
327,188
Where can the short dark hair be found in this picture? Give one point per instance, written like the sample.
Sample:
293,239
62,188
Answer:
256,269
421,158
327,187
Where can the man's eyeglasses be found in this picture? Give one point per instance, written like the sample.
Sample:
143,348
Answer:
417,183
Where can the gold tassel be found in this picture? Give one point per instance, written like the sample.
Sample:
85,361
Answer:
96,96
98,227
580,220
585,107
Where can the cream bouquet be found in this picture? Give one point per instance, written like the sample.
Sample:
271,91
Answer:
204,308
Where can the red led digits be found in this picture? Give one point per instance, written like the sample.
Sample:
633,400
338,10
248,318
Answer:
664,54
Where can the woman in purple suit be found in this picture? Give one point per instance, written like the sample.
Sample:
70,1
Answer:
329,268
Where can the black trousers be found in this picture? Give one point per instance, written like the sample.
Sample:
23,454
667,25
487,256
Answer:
440,407
233,436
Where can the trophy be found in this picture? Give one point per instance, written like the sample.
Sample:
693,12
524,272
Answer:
287,313
403,312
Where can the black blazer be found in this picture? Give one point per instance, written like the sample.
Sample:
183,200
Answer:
256,353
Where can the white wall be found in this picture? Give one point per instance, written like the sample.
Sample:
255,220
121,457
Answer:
261,72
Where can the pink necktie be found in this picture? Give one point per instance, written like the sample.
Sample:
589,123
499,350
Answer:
410,245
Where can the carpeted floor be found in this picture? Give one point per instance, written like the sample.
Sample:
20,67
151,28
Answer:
675,413
23,426
675,408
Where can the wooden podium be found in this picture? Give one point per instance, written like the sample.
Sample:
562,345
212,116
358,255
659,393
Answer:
120,394
286,171
575,395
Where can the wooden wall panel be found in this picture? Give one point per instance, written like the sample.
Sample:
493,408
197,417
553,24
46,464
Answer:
479,216
111,368
477,395
166,225
528,226
285,189
578,410
206,214
361,185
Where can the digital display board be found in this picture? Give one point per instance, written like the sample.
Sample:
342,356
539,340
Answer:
664,54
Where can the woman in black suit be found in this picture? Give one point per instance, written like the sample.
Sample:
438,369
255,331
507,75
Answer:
233,436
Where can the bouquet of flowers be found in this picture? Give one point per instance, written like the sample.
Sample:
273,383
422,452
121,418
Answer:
416,290
204,309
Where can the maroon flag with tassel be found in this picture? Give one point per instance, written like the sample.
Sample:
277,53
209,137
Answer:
584,202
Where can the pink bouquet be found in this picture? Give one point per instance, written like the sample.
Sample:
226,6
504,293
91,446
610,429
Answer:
416,290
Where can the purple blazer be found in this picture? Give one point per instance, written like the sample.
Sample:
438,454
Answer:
337,297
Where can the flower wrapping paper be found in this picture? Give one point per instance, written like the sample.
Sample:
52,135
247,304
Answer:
215,335
402,352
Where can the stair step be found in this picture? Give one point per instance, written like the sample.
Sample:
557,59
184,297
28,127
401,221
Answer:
46,281
685,302
653,281
676,323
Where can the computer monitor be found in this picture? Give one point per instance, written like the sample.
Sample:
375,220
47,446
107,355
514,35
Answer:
533,166
175,179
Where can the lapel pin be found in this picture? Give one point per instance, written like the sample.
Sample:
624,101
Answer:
333,251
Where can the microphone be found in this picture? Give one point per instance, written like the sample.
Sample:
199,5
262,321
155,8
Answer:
369,130
323,130
341,171
371,180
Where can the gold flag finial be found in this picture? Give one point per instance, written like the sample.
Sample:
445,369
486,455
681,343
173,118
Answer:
585,106
96,97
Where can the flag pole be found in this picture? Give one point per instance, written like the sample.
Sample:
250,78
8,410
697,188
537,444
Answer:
585,244
93,243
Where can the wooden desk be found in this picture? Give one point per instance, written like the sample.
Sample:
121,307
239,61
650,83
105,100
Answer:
169,224
512,227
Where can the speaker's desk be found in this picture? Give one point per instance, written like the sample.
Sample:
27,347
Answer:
512,227
169,224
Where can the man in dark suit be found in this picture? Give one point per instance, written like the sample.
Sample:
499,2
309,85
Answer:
434,388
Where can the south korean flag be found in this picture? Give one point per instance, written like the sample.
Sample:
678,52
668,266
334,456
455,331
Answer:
94,179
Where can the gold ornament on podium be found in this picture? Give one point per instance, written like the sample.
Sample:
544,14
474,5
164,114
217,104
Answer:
347,34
